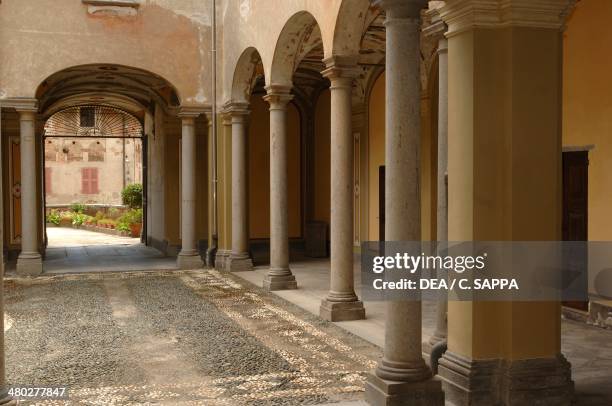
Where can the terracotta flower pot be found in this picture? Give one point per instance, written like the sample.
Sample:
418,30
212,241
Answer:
136,228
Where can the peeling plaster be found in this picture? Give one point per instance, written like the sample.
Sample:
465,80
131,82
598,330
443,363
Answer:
245,9
3,94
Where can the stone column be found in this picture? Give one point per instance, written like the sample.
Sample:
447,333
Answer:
189,257
437,29
239,259
5,399
279,276
402,377
211,251
341,303
29,261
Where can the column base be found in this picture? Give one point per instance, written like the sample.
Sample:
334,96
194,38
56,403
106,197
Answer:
29,264
189,261
380,392
221,258
540,381
280,282
428,345
239,263
341,311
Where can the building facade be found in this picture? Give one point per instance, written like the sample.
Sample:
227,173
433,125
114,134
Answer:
382,120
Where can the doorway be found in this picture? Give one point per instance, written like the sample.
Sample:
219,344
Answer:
93,160
575,214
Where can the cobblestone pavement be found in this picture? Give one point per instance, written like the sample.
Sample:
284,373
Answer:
175,338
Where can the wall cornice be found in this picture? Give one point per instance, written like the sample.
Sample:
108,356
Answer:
462,15
20,103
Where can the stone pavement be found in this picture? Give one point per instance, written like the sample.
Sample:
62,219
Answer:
587,348
176,338
74,250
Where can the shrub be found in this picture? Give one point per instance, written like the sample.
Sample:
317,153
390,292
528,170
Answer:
123,227
54,217
132,196
66,216
133,216
78,219
77,208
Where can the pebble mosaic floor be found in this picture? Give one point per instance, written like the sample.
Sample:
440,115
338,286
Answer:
175,338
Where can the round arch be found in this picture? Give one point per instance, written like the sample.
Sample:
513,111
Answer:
248,70
300,35
106,84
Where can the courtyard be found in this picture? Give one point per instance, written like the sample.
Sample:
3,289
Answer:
205,337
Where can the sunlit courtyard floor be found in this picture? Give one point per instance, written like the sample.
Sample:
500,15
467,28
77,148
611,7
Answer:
176,338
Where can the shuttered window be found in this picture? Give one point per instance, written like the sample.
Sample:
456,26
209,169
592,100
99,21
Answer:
89,181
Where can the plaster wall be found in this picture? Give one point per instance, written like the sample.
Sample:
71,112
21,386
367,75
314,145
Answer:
587,105
259,170
170,38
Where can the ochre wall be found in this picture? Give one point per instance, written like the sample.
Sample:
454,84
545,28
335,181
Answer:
376,153
376,158
259,170
587,104
322,151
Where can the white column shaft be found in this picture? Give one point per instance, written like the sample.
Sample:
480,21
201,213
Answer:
403,359
279,227
239,186
29,226
188,186
342,285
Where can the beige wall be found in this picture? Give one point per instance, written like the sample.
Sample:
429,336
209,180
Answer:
168,37
587,104
259,170
113,173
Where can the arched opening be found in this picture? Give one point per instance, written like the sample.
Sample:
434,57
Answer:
101,129
100,157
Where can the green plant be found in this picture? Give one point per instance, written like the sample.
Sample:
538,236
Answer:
123,227
133,216
66,216
78,219
99,216
54,217
132,196
77,208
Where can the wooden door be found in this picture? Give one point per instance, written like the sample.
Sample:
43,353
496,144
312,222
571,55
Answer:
381,203
575,212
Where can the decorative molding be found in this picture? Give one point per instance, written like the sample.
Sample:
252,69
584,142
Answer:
115,3
578,148
192,111
339,66
462,15
20,104
112,8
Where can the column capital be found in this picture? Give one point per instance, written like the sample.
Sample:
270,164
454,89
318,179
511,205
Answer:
341,67
434,26
192,112
236,109
21,104
401,8
462,15
278,96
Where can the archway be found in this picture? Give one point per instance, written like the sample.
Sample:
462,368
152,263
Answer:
93,115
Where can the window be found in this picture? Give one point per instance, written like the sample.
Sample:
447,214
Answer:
89,181
48,182
87,117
